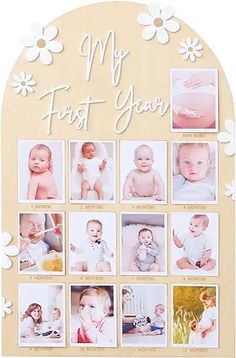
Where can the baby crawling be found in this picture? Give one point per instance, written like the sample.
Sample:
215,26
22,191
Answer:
144,181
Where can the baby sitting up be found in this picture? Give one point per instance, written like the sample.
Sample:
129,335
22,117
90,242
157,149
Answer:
94,250
90,168
144,181
55,325
32,246
193,184
147,254
157,324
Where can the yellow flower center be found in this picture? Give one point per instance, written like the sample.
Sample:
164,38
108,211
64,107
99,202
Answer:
158,22
41,43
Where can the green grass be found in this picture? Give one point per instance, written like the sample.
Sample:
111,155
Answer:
181,325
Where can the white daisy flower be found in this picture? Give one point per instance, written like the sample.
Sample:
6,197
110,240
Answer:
7,250
228,137
42,43
231,189
23,83
190,49
6,307
158,23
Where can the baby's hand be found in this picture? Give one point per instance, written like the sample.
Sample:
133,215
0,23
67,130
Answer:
175,237
81,168
24,243
103,164
57,230
199,80
85,315
72,247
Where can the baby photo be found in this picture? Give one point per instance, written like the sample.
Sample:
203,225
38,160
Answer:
194,172
195,316
41,315
41,243
92,173
41,171
93,316
194,100
143,168
194,247
144,315
92,237
143,244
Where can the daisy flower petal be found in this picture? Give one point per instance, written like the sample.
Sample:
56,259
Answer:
182,50
197,53
194,42
50,33
192,57
45,56
186,55
32,54
36,30
154,10
27,40
5,239
171,25
148,32
55,46
167,12
144,19
162,35
11,250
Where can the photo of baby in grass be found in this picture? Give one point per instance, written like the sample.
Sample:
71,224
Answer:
195,316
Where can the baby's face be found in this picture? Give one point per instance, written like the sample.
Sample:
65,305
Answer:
93,306
159,311
143,159
193,162
145,238
39,161
31,226
196,227
94,231
56,314
89,151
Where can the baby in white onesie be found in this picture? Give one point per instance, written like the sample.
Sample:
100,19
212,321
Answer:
193,184
94,250
196,245
90,168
